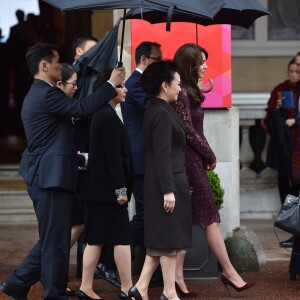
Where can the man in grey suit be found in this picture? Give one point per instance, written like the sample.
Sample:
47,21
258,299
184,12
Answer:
49,167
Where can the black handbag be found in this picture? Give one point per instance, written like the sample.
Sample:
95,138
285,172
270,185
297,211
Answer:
288,218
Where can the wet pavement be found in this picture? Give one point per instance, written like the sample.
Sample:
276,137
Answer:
272,282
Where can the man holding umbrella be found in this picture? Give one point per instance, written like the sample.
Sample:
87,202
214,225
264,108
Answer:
81,44
92,56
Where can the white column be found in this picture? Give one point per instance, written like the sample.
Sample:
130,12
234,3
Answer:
221,127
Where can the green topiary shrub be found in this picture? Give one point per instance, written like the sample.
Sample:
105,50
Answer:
216,188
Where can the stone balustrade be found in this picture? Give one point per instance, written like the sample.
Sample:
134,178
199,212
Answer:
259,197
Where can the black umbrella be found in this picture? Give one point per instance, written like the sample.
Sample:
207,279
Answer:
204,8
208,8
103,55
235,12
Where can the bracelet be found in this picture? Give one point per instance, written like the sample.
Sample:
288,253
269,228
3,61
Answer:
121,192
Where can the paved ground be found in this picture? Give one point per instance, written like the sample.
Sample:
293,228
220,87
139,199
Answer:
272,280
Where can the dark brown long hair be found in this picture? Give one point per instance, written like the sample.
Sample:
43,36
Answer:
188,58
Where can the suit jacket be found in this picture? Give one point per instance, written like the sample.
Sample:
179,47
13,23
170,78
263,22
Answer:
165,140
133,113
82,131
110,165
46,116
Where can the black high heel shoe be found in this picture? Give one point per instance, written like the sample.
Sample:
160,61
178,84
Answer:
83,295
245,287
123,296
182,294
134,294
163,297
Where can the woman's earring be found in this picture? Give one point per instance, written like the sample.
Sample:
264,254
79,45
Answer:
166,91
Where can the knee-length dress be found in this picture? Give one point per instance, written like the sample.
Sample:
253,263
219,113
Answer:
165,139
197,155
109,168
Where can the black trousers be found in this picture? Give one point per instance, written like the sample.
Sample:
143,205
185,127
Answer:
284,186
295,256
48,261
137,222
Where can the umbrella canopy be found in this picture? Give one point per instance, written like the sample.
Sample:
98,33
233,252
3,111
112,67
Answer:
235,12
207,8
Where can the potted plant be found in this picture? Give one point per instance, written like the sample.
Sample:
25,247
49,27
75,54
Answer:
204,265
217,190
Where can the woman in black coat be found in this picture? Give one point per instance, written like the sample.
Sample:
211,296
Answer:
106,192
167,207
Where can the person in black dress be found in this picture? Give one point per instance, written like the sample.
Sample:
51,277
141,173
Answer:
106,191
167,205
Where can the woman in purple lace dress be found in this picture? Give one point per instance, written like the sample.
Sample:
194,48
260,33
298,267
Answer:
191,60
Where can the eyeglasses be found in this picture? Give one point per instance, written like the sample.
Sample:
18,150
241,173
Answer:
158,58
74,84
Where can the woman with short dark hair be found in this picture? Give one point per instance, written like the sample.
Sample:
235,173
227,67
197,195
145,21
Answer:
106,192
167,208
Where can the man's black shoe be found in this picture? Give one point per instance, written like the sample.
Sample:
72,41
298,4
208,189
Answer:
71,293
4,289
107,274
288,243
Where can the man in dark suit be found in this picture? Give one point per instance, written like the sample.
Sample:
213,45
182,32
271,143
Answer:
80,45
133,113
49,167
106,269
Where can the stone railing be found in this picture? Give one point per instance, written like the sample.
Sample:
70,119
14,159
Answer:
259,198
15,204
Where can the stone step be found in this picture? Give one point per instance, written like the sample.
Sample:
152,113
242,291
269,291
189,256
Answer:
16,207
12,184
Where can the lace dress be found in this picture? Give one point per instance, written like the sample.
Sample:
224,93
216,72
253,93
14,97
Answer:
197,155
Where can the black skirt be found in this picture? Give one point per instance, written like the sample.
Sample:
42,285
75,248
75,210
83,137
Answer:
106,223
77,211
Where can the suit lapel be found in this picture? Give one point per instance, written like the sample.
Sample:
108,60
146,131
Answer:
170,110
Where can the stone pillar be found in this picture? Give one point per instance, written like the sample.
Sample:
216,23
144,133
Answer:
246,154
221,128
